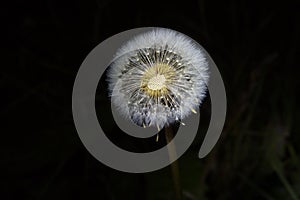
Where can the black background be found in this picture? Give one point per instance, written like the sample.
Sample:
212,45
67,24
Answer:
255,46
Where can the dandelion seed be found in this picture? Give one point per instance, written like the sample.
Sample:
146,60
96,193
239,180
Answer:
158,77
193,110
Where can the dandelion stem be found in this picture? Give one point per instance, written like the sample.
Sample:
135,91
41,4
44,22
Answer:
174,165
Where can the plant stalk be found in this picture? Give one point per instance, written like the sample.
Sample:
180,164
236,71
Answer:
174,166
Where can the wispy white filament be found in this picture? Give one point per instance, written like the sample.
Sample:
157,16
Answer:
158,77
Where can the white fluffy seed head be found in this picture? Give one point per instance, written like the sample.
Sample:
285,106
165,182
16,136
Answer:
158,77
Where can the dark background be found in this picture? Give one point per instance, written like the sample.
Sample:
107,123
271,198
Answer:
255,46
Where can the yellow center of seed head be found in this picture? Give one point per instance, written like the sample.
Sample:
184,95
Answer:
157,82
156,78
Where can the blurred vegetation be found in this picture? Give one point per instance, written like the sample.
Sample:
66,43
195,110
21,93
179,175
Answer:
255,46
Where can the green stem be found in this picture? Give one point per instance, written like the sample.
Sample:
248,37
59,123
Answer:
174,165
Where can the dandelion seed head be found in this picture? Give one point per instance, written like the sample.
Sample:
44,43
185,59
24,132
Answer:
158,77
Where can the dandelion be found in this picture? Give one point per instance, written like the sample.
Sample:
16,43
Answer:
158,78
